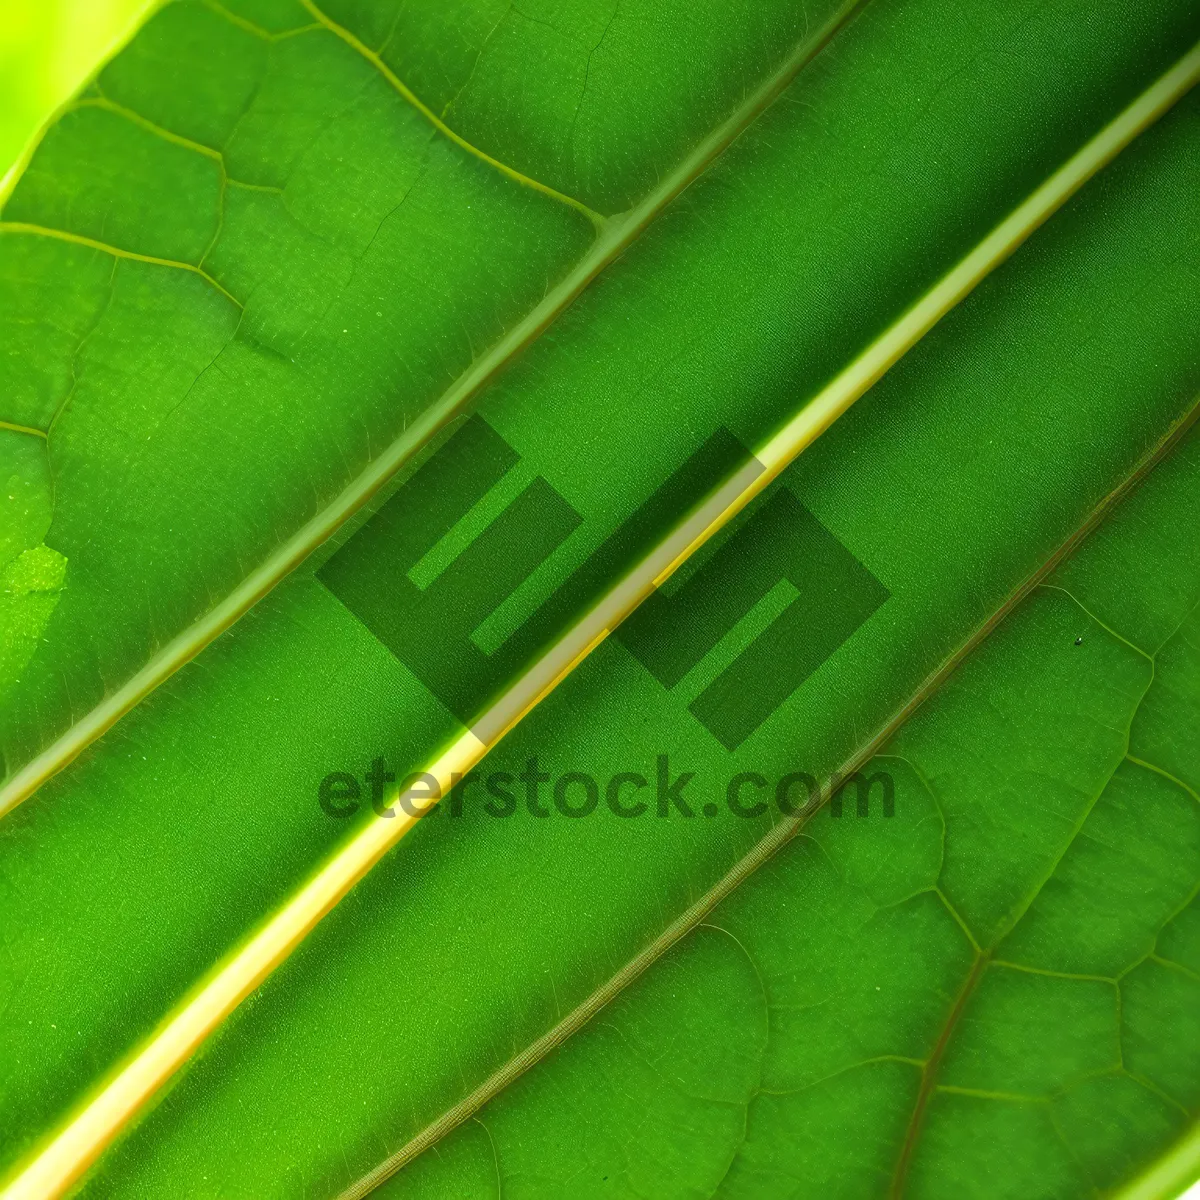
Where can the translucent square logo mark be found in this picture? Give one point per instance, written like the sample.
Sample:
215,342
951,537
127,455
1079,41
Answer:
734,635
811,595
429,628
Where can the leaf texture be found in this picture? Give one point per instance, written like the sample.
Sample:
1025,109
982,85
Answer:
133,874
992,993
313,274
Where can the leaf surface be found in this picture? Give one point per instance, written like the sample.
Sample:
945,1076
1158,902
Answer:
287,272
992,992
947,486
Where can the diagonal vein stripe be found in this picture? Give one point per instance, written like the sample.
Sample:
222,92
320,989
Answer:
340,31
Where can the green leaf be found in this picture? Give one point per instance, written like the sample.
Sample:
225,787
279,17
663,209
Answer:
292,250
993,991
139,875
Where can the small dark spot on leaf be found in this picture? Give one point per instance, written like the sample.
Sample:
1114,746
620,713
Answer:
1079,641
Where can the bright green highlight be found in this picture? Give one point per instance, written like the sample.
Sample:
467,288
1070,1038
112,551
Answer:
47,49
